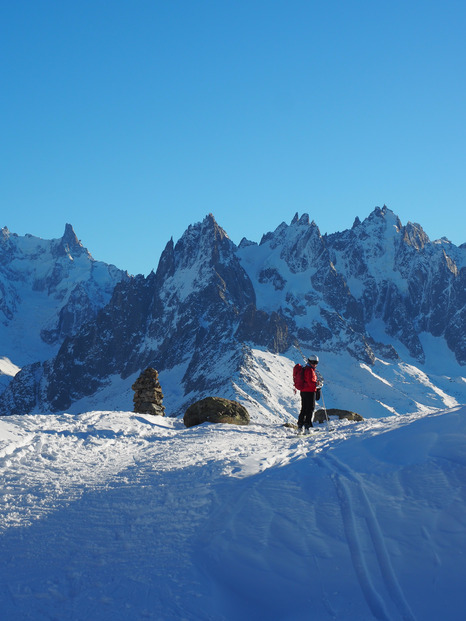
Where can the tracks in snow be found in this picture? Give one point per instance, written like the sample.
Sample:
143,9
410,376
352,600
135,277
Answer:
148,489
366,542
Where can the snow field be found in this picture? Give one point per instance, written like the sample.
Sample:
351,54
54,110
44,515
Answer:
115,515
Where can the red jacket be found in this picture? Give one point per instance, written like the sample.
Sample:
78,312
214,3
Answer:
310,380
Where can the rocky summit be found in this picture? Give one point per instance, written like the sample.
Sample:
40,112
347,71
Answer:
380,303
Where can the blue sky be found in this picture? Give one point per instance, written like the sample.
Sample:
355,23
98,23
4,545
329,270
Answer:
132,120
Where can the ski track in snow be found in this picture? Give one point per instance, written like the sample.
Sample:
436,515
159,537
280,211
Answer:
114,515
354,502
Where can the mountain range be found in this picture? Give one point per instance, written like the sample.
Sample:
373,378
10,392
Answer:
48,289
381,304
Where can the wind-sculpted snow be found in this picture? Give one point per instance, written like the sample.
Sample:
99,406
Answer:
124,516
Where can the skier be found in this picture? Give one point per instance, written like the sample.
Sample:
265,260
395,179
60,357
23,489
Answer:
308,388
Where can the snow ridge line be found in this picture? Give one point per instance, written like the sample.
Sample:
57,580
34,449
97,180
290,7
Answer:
339,473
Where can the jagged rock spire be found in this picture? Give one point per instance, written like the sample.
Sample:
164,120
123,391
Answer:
69,244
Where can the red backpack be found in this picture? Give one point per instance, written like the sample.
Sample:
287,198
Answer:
298,376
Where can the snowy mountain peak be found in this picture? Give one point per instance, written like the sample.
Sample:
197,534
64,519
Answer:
203,243
414,235
22,251
4,234
166,266
48,288
6,243
301,221
304,220
382,220
300,244
209,220
69,245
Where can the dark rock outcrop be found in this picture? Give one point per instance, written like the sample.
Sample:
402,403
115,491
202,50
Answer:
216,410
259,327
319,415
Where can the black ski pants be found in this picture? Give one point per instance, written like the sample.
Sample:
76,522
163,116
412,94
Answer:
308,403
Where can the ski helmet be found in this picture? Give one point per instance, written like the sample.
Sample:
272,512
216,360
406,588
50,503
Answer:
313,359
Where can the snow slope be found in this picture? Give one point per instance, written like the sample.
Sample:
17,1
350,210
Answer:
114,515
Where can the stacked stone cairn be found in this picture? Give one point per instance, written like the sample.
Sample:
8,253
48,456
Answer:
148,394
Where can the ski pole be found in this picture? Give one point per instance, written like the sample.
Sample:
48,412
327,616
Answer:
296,346
325,409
